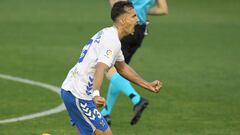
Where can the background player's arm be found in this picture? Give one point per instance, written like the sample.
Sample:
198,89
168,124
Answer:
97,83
126,71
160,8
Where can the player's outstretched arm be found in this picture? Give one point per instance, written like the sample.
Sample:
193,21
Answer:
126,71
160,8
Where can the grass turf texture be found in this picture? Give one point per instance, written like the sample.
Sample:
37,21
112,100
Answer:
194,50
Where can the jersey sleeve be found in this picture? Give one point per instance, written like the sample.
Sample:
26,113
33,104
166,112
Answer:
109,52
120,56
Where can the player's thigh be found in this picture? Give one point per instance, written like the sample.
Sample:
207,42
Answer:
84,114
106,132
92,116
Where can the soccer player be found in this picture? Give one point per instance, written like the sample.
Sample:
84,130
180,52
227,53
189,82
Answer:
80,90
130,44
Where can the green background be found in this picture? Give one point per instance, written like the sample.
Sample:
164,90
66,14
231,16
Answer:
195,51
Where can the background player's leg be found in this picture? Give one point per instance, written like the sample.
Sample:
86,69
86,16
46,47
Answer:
111,99
124,86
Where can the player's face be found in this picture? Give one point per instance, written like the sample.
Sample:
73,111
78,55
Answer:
131,20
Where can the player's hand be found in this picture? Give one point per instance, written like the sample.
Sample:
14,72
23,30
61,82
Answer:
99,101
155,86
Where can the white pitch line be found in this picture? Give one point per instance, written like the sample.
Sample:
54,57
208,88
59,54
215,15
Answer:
54,110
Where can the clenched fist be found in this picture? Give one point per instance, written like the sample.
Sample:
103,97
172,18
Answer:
99,101
155,86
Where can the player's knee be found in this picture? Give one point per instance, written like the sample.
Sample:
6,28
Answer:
106,132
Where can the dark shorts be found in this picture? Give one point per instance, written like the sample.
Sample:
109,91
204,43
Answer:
131,43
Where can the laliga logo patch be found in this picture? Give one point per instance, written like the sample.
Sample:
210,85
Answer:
109,54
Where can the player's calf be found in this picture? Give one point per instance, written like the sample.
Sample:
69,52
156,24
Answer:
106,132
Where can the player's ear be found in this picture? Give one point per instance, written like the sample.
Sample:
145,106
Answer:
121,21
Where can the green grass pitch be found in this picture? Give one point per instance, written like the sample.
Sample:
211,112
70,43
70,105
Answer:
195,51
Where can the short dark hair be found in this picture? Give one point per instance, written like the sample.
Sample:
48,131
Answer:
119,8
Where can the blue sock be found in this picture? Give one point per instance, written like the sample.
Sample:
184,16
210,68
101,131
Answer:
111,99
119,84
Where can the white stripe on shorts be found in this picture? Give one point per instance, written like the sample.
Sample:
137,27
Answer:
85,117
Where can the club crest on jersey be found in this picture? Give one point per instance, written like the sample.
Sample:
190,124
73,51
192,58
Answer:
109,54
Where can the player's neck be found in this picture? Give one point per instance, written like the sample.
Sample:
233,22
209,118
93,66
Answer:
121,31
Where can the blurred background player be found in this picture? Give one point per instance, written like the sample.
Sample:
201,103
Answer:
80,90
130,44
